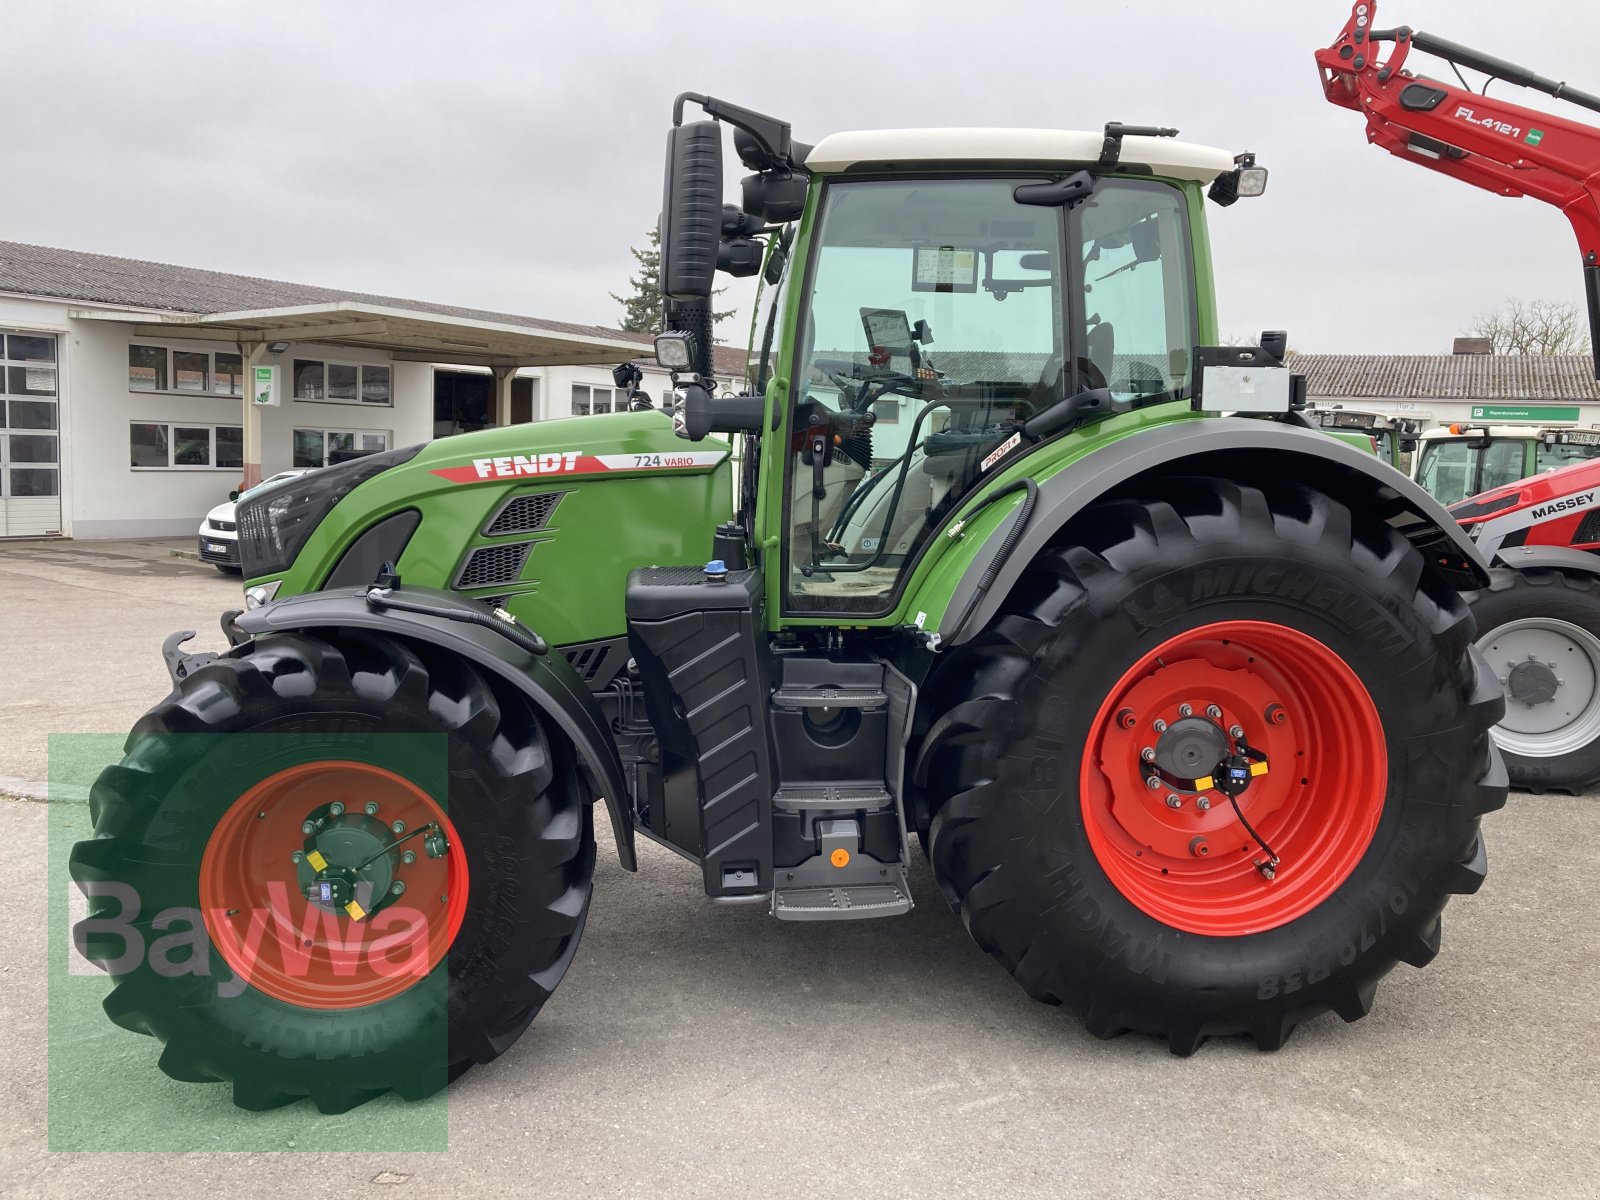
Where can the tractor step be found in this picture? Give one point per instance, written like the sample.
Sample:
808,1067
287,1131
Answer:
855,902
829,697
831,797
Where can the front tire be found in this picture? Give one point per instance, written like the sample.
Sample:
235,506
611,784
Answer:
260,768
1540,632
1325,641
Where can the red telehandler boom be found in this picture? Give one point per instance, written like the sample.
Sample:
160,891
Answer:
1539,620
1490,143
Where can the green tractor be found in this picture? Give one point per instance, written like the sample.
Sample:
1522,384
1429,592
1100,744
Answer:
1178,695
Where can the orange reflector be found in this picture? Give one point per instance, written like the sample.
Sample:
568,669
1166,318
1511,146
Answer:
840,857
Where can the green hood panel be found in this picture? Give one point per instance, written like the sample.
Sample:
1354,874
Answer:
618,491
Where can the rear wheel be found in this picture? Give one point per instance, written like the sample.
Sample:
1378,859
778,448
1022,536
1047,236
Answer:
1215,768
333,867
1540,632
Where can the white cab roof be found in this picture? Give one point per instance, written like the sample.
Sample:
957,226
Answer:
1164,156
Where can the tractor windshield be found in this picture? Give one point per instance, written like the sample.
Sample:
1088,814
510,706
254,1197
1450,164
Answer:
941,315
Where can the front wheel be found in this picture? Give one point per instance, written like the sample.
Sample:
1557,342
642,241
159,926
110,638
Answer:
335,866
1540,632
1216,767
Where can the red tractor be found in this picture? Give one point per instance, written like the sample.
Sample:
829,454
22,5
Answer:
1539,621
1540,617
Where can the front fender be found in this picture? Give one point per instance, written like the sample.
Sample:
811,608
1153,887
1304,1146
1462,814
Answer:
1560,558
546,679
1242,449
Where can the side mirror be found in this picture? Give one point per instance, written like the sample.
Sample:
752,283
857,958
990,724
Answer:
691,210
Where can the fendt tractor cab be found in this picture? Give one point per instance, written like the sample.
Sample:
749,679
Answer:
1393,438
1177,694
1460,460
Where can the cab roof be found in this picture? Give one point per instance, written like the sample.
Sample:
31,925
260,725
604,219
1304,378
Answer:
1052,147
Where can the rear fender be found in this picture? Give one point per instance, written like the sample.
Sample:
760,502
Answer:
1245,450
546,679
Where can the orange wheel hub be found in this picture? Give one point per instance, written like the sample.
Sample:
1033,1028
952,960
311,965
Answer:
315,823
1161,824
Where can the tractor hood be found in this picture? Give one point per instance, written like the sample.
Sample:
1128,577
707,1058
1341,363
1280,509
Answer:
545,519
597,445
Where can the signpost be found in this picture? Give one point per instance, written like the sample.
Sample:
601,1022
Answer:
1544,414
265,391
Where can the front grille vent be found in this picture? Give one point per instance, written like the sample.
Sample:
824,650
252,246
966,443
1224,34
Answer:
524,514
489,565
224,526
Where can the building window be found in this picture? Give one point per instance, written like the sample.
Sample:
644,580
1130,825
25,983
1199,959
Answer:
191,372
587,400
375,385
147,368
160,445
323,447
309,379
228,378
341,383
29,446
160,369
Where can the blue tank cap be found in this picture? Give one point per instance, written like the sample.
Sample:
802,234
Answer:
716,567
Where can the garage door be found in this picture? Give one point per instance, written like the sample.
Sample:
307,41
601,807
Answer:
30,435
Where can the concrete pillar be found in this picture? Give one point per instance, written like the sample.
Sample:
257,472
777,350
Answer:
252,353
502,394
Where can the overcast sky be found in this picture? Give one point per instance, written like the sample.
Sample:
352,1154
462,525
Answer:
505,155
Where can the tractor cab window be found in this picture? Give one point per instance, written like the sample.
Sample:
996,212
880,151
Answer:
1137,326
1453,469
1552,456
935,325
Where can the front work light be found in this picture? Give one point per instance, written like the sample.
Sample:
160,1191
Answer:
1246,179
674,351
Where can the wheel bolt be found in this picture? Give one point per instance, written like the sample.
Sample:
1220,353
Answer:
1275,714
409,857
308,826
1126,719
297,856
1152,782
1174,801
1186,710
1203,803
398,827
1213,712
336,809
397,887
1236,731
1160,725
372,808
1199,847
1148,754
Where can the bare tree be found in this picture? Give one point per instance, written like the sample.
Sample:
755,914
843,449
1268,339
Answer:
1537,327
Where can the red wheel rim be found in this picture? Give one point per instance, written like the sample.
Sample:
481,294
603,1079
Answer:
1296,702
309,955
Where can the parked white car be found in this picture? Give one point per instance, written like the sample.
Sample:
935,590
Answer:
219,532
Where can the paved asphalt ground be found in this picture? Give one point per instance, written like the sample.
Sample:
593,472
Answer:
714,1052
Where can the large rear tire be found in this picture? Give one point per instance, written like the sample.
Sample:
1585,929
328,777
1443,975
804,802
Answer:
339,743
1540,632
1345,665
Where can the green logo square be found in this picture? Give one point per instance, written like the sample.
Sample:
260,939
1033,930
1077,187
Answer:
1534,137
